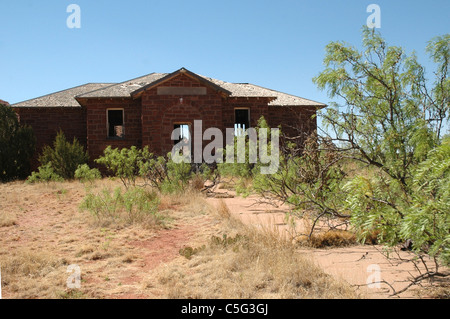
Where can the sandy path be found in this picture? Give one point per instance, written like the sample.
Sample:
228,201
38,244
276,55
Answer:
358,265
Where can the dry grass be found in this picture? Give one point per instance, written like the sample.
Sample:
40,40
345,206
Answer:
197,182
7,219
47,232
248,263
33,274
331,238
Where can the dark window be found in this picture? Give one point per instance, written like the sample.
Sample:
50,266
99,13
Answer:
115,124
242,119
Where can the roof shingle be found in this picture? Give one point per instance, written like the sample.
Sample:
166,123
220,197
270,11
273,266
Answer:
67,98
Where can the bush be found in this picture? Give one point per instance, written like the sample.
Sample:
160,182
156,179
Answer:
159,172
135,205
65,157
310,180
46,173
86,174
243,170
427,222
242,167
178,176
378,204
125,163
17,146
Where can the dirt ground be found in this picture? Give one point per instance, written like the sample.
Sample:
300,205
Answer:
43,231
47,228
375,271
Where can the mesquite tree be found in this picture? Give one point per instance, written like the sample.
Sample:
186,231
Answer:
391,118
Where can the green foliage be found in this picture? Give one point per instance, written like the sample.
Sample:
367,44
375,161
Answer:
104,205
177,176
159,172
376,207
238,168
45,173
427,221
309,181
392,120
387,118
139,204
17,146
65,157
125,163
241,165
86,174
135,205
246,165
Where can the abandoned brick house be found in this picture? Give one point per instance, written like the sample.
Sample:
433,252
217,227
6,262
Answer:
144,111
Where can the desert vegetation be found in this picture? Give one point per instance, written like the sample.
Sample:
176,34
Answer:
379,174
17,145
381,164
189,248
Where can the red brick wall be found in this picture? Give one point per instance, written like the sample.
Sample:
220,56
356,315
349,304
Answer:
295,120
258,107
46,123
149,121
161,112
96,125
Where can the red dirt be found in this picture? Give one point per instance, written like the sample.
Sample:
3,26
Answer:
352,264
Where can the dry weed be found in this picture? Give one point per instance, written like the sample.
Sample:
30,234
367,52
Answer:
331,238
7,219
33,274
251,263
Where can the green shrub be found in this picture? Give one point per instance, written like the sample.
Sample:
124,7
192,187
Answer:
140,204
178,176
45,173
135,205
125,163
65,157
427,222
17,146
310,181
242,169
379,204
104,205
159,172
86,174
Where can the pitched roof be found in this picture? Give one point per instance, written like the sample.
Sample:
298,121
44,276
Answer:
3,102
190,74
123,89
252,90
65,98
133,88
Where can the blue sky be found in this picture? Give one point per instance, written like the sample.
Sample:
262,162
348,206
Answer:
276,44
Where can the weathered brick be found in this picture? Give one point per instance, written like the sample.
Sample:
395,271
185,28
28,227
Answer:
149,120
